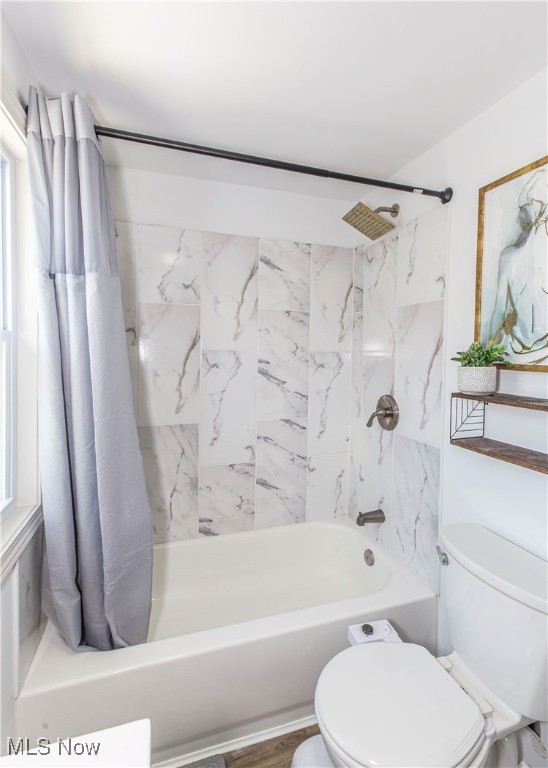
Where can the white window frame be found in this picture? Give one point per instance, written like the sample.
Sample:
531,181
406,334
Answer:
19,523
7,327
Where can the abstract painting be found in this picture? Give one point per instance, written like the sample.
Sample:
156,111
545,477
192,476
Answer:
512,266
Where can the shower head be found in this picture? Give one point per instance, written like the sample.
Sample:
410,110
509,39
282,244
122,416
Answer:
368,222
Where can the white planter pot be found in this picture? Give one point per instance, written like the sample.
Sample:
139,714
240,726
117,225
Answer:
477,381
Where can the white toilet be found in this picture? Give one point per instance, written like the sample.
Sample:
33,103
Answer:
394,704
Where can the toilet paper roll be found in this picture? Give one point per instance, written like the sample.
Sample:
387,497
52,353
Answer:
383,631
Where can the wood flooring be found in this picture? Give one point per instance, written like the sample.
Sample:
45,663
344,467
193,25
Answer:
274,753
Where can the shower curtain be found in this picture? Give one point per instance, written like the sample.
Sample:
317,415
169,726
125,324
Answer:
98,550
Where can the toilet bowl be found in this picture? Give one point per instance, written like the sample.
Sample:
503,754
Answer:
395,704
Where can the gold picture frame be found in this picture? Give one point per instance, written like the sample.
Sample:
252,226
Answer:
512,265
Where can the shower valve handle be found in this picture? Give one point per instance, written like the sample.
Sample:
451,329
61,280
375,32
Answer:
387,412
375,415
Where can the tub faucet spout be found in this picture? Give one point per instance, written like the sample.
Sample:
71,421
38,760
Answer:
376,516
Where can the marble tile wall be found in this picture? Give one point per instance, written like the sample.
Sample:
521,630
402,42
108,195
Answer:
397,348
241,358
256,364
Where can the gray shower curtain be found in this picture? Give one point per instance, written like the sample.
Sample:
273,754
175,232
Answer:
98,556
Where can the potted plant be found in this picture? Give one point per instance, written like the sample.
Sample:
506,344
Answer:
477,374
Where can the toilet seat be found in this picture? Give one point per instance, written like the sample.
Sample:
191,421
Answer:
393,704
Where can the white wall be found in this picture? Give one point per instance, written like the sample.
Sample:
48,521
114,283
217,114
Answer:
510,500
148,197
16,70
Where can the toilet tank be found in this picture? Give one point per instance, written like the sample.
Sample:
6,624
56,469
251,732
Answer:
496,599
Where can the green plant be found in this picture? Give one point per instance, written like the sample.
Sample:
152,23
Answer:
479,356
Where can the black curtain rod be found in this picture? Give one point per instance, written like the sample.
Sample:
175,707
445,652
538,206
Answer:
140,138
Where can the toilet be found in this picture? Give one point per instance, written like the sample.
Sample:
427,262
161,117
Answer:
395,704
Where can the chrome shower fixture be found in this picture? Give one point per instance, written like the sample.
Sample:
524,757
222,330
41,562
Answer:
368,222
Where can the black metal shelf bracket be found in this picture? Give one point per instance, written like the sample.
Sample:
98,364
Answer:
467,418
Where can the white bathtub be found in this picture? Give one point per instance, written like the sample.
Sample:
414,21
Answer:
241,627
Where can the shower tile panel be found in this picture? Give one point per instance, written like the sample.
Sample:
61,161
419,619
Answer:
226,499
169,265
354,481
415,509
169,364
422,258
370,448
31,618
375,492
284,275
281,472
418,380
331,299
356,395
378,379
379,297
329,409
327,486
283,365
126,252
170,457
357,433
228,407
229,292
133,360
357,305
402,343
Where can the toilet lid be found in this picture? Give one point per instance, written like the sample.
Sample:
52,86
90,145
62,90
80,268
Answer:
392,704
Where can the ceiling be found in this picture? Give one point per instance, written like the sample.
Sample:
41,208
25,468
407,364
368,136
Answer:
358,87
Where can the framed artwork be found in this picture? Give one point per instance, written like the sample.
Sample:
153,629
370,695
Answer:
512,266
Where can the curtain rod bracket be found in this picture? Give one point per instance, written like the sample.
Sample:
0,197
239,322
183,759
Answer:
446,195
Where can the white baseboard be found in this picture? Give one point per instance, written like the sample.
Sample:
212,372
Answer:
175,761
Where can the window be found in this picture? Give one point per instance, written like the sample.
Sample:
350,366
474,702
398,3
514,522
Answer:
7,410
20,511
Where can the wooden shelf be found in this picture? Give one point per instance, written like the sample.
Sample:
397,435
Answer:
472,419
498,398
513,454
